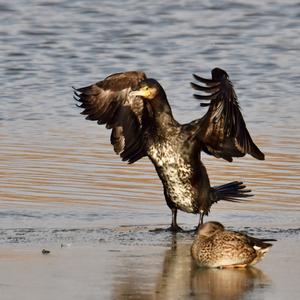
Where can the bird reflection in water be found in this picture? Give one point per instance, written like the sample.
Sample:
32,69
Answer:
227,284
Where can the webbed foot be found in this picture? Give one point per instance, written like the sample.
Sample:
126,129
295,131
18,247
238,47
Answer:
174,228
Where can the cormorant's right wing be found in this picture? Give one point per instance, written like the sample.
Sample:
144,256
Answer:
109,102
222,129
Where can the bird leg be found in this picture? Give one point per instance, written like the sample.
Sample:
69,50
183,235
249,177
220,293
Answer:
201,217
174,226
201,213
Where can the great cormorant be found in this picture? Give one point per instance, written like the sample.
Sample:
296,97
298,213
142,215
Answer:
137,110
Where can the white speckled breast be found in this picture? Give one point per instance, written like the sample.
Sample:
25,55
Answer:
175,173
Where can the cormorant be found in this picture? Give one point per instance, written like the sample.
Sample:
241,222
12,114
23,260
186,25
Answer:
137,110
215,247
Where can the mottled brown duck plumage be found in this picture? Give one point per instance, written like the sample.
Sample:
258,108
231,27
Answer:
215,247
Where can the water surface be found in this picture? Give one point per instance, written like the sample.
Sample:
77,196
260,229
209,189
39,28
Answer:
60,180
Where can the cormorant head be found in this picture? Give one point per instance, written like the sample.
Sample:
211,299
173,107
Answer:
209,228
149,89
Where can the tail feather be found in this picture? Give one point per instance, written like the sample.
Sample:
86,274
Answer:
260,253
233,191
261,242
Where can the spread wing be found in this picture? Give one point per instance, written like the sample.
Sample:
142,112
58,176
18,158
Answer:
109,102
222,129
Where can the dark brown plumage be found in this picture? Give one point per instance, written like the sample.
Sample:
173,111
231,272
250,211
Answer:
137,110
223,129
109,102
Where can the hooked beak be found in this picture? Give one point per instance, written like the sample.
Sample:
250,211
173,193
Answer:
137,93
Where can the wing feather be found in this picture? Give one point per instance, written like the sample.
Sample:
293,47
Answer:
222,129
109,102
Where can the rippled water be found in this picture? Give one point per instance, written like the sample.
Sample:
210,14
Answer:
59,171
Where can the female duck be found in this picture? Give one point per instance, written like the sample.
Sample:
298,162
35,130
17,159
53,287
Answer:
215,247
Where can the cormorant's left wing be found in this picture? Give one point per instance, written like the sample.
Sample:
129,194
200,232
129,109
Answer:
222,129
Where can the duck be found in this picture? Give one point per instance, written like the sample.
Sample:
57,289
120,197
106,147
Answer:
137,111
216,247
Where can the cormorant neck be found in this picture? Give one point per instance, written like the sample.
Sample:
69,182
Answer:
160,105
162,111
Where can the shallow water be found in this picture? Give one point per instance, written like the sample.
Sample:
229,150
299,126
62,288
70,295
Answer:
134,271
60,180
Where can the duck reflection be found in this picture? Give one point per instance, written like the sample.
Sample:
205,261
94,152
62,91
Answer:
226,284
180,278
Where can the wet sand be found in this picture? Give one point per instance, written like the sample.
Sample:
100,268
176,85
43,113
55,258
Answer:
134,268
